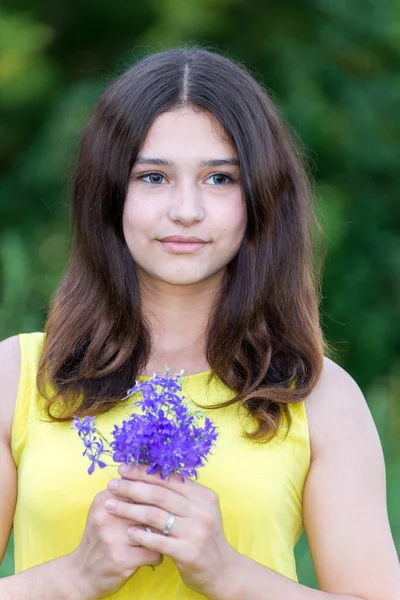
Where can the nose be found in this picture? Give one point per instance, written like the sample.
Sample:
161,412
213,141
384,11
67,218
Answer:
186,205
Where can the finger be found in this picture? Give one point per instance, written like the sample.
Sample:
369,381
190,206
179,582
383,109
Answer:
156,542
174,482
146,556
151,516
198,493
118,526
135,525
146,493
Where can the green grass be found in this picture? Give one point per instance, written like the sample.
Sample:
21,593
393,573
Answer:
7,566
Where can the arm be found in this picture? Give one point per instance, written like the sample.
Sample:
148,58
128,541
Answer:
344,507
9,377
51,580
55,579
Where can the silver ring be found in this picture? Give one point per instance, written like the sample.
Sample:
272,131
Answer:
167,528
148,530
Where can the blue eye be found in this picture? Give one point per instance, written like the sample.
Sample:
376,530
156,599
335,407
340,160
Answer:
155,178
219,175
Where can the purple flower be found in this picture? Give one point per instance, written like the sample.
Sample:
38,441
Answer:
167,436
93,451
94,447
85,426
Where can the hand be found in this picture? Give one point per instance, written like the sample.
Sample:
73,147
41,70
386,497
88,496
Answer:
106,556
196,542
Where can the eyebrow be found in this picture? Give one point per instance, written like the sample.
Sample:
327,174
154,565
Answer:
215,162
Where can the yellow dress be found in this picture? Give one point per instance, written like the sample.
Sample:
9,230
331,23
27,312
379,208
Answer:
260,487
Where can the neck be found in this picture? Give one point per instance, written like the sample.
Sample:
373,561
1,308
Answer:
178,316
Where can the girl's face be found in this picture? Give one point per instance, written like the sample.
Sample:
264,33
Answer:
185,183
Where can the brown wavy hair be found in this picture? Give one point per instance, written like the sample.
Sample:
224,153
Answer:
264,339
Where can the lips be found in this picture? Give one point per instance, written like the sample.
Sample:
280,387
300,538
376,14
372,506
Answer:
180,244
184,239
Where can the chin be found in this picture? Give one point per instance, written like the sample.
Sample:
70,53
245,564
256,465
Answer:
182,279
184,276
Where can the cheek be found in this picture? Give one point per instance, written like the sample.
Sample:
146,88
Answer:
138,216
128,212
235,221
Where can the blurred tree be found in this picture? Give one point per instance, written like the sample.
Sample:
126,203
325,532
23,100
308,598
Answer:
26,77
332,68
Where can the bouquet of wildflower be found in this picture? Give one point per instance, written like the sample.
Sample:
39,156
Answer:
168,436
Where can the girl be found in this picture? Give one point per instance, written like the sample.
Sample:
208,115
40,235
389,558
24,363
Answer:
193,226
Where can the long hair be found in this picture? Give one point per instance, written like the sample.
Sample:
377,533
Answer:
264,339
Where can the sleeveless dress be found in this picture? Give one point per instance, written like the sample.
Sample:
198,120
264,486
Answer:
260,486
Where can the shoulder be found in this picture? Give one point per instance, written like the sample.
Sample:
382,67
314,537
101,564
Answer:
344,500
10,367
337,409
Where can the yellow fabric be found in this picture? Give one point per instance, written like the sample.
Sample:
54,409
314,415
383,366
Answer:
259,486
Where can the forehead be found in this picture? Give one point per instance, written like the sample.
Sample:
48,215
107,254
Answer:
187,135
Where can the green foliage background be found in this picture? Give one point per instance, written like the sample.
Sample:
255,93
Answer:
334,69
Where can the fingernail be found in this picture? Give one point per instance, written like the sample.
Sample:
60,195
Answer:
124,468
113,485
131,530
111,505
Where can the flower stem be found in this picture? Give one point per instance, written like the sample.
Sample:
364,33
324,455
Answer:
102,436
